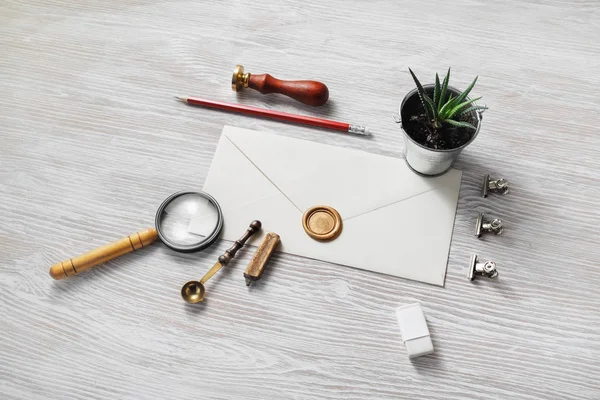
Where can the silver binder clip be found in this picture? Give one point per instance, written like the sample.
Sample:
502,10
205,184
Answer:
494,226
476,268
494,185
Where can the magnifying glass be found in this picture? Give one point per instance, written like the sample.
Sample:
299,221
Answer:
177,217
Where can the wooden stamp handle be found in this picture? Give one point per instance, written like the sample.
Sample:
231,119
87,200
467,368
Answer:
103,254
238,244
312,93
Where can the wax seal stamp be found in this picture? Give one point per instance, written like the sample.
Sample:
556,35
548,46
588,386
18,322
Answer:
322,223
313,93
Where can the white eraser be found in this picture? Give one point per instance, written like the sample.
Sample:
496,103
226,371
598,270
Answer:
413,328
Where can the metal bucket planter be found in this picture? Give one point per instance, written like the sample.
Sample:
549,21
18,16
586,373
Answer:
427,161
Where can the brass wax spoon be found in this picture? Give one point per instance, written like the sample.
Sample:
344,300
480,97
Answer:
193,291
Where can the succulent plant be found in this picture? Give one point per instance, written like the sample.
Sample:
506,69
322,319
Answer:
444,108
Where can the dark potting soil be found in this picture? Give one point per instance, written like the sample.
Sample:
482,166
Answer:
420,129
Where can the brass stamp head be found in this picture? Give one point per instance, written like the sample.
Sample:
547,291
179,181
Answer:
239,80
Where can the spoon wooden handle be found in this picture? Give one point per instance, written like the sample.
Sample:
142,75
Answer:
312,93
238,244
102,254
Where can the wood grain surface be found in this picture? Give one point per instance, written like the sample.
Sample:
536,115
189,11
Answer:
92,141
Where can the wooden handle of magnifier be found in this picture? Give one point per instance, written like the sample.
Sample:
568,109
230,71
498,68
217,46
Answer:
102,254
312,93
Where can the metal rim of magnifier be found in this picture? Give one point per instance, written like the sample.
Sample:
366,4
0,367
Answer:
189,248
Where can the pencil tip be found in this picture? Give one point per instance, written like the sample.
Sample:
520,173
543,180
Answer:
180,99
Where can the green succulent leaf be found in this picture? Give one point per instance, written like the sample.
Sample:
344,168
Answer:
422,94
444,89
459,124
448,105
436,91
462,105
429,102
464,94
473,108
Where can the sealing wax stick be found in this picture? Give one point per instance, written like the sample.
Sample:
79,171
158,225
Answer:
260,259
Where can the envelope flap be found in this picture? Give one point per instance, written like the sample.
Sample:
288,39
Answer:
309,173
242,190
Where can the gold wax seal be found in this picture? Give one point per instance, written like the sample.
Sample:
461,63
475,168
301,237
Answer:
322,223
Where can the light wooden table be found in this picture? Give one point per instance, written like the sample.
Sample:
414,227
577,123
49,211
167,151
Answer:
91,141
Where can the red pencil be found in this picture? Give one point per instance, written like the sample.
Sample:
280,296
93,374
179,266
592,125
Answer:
278,115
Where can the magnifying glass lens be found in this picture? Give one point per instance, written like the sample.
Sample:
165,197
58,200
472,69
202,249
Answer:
188,221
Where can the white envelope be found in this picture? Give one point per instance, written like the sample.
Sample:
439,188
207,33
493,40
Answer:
394,221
